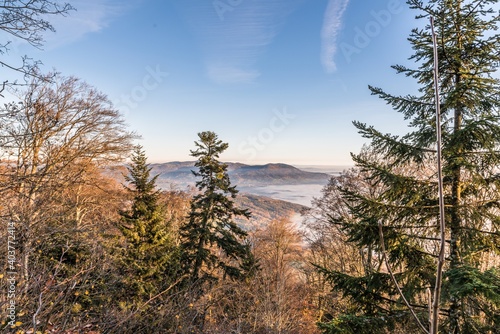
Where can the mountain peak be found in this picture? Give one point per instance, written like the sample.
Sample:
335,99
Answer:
241,174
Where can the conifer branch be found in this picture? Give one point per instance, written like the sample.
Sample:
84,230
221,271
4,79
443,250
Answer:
384,256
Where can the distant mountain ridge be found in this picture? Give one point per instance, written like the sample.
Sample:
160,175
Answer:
180,173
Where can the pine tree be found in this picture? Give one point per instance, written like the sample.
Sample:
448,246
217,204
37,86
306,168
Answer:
149,252
405,205
211,228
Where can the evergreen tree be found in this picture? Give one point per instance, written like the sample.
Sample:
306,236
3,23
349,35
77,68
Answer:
405,204
211,228
150,246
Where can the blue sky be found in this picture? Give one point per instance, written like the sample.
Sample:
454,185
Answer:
279,80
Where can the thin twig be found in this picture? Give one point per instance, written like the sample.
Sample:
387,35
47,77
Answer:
151,299
382,246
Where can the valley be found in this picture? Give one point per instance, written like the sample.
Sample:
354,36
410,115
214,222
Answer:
269,191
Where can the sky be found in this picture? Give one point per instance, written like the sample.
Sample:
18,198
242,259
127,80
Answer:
279,80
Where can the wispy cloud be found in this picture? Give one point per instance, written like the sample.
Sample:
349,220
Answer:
90,16
226,74
233,37
332,23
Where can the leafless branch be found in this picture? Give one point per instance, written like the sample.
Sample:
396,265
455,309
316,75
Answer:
153,298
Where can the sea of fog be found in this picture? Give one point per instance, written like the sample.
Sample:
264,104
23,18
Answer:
296,193
332,170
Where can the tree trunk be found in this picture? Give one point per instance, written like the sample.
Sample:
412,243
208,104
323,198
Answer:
455,220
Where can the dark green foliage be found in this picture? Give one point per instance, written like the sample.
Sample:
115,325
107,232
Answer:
403,173
211,239
149,253
376,304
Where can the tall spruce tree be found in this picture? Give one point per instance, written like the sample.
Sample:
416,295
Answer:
150,248
406,203
212,242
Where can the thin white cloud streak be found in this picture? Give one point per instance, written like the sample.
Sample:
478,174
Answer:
332,23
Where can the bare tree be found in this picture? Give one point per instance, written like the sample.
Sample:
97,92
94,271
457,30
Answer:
329,248
332,251
57,133
26,20
281,292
